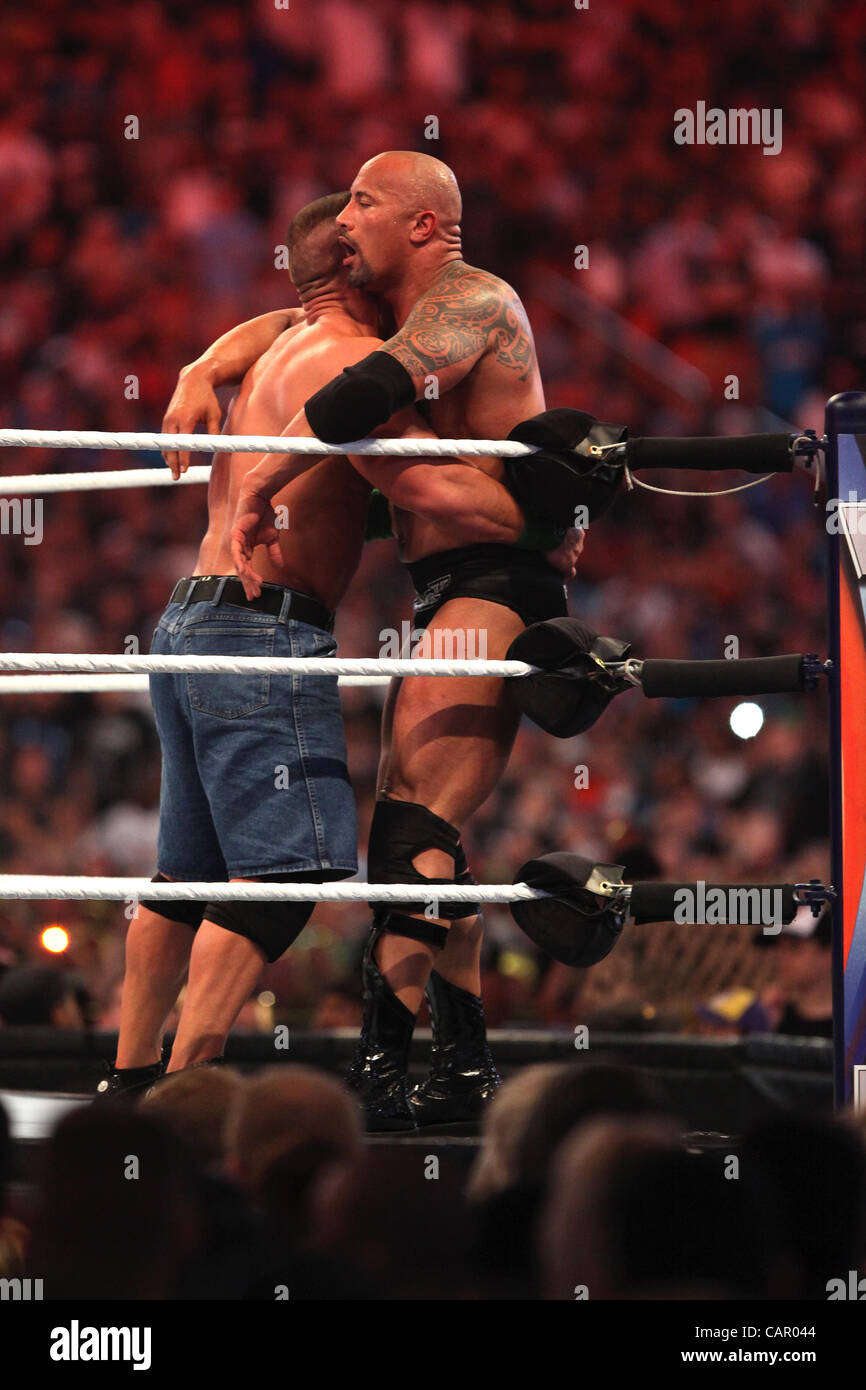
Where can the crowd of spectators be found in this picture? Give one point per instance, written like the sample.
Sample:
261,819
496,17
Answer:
151,156
582,1188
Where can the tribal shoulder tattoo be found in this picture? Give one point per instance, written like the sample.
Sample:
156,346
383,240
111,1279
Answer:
466,313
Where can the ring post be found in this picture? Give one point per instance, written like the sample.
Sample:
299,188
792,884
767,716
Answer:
846,592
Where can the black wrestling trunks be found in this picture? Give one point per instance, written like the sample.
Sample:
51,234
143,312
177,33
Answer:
518,579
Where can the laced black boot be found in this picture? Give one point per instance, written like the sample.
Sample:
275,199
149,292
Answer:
128,1084
463,1076
378,1074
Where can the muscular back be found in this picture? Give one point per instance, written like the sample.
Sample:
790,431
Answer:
326,506
470,332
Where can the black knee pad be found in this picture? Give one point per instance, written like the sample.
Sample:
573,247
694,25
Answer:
190,911
273,927
416,928
400,831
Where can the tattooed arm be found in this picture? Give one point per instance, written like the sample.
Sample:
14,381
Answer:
464,316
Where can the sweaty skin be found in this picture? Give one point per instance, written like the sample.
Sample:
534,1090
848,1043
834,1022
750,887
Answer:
489,357
473,320
224,363
328,501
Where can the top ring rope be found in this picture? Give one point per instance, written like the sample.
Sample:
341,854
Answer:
257,444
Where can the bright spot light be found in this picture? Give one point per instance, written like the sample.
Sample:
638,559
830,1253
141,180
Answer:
267,998
746,720
55,939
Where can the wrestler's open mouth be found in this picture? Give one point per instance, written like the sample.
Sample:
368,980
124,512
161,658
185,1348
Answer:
348,248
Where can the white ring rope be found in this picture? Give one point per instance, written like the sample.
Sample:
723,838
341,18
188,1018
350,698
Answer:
50,886
249,665
256,443
44,483
130,685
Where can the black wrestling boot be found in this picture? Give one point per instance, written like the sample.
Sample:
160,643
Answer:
378,1074
128,1084
463,1076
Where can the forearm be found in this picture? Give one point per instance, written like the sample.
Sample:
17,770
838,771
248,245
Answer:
470,502
225,362
448,493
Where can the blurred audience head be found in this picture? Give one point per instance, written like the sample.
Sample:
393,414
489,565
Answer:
40,996
285,1110
118,1213
630,1214
194,1104
396,1219
533,1112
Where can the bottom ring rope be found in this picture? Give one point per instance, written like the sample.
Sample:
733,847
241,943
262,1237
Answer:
122,889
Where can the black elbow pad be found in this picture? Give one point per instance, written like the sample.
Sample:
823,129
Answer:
360,399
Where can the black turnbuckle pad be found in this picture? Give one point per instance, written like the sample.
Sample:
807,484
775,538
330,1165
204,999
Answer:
574,686
575,925
575,475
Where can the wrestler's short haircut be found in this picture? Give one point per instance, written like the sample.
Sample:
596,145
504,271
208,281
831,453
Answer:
310,260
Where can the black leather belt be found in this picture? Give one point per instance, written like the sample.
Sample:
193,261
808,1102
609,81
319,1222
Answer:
301,607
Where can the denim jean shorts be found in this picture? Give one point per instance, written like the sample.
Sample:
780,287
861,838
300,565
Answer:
254,774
